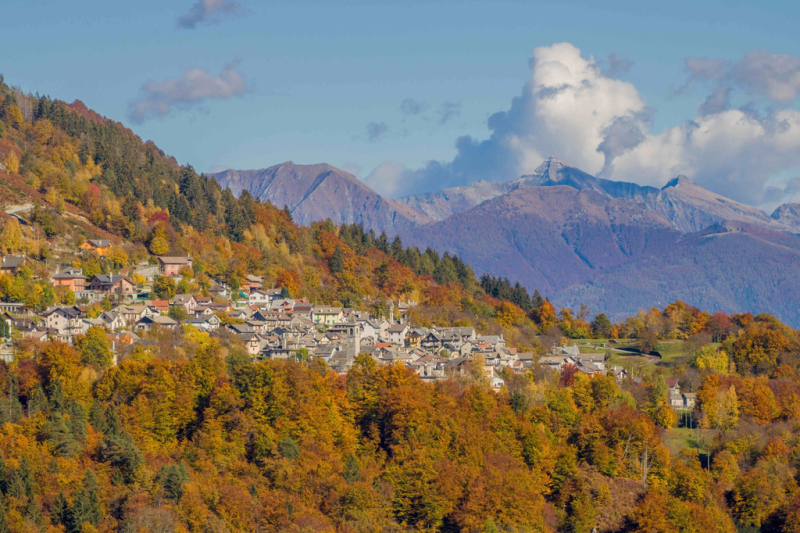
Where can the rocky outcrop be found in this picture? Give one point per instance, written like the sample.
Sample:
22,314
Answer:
788,215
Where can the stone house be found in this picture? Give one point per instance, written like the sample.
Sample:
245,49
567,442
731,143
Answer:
171,266
71,278
101,247
111,284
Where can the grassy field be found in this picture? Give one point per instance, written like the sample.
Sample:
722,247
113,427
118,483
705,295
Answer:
627,361
677,438
672,352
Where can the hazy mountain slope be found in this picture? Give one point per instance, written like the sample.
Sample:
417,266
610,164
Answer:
318,192
619,255
441,204
548,237
689,207
692,208
730,266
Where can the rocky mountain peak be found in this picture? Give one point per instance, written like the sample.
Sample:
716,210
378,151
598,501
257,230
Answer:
786,210
788,215
677,182
549,169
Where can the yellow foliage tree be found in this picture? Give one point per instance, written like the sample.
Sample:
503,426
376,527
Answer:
721,409
55,198
582,392
118,256
159,245
665,416
11,237
710,359
44,131
509,314
12,163
14,116
546,316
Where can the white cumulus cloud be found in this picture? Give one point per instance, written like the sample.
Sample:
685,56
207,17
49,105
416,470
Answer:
570,109
731,152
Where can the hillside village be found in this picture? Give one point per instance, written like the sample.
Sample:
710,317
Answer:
176,358
270,324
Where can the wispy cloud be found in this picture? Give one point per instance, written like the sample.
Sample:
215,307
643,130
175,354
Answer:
617,66
377,130
410,107
448,111
209,12
703,68
194,87
760,74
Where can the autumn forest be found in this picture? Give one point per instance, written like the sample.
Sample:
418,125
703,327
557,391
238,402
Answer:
185,431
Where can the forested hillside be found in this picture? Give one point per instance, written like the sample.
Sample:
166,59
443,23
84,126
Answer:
187,433
67,164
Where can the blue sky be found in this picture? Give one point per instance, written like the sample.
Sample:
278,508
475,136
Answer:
308,78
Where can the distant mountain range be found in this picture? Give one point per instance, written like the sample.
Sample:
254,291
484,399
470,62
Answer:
616,246
687,206
319,192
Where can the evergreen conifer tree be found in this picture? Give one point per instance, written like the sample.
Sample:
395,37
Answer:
37,403
337,261
352,470
58,432
59,512
86,507
77,421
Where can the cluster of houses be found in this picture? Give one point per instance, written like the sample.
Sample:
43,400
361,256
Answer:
269,323
100,286
585,363
273,326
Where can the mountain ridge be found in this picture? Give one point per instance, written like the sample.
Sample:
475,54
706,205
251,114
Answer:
579,238
689,206
617,256
321,191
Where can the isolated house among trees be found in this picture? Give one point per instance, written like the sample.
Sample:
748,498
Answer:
101,247
172,266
